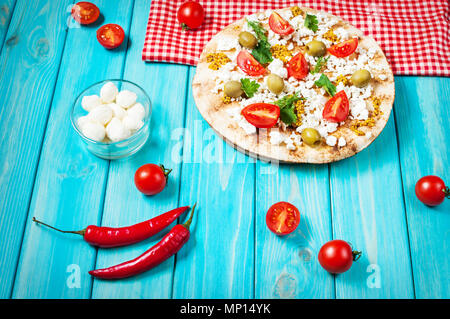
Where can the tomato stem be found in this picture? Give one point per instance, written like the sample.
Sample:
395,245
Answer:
165,171
356,255
446,191
78,232
189,221
184,27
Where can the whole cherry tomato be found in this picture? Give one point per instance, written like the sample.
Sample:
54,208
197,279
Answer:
151,179
337,256
191,15
282,218
431,190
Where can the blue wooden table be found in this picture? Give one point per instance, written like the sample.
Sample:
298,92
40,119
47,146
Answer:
368,200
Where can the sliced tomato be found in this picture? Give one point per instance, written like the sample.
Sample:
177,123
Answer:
279,25
110,35
282,218
298,67
343,49
261,115
85,12
336,109
249,64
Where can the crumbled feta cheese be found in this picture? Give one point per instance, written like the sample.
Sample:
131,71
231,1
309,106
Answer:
331,140
342,142
277,67
382,77
89,102
108,92
228,43
276,138
247,127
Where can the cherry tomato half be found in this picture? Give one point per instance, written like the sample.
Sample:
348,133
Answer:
343,49
431,190
298,67
337,256
85,12
279,25
151,179
191,15
249,64
261,115
282,218
110,35
336,109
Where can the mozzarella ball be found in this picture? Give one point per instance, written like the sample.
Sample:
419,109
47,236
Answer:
101,114
118,112
82,121
132,122
108,92
137,111
89,102
94,131
116,131
126,98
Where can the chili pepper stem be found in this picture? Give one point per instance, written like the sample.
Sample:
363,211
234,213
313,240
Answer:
78,232
356,255
189,221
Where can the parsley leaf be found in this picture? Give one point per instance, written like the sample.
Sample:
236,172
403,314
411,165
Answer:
288,116
311,22
262,51
287,112
320,63
249,87
325,82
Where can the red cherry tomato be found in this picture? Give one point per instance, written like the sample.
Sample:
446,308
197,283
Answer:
110,35
336,109
337,256
249,64
431,190
85,12
191,15
279,25
282,218
343,49
298,67
151,179
261,115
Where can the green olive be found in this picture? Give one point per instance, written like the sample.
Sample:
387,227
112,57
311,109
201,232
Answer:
248,40
361,78
316,48
275,83
233,89
311,136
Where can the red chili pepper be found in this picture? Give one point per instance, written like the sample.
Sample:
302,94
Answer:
167,247
114,237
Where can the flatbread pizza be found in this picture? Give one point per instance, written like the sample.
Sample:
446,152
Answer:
294,85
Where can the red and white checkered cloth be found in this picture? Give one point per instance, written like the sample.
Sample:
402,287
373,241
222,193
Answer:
415,35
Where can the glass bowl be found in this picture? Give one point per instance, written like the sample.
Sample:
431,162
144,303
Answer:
120,149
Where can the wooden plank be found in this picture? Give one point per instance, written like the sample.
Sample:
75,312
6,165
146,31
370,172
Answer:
29,65
423,119
70,182
124,204
368,212
217,261
6,12
287,267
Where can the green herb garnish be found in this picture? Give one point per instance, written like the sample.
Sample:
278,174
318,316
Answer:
325,82
311,22
320,63
262,51
249,87
287,108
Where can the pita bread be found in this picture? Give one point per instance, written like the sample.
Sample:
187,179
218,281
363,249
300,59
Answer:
214,110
